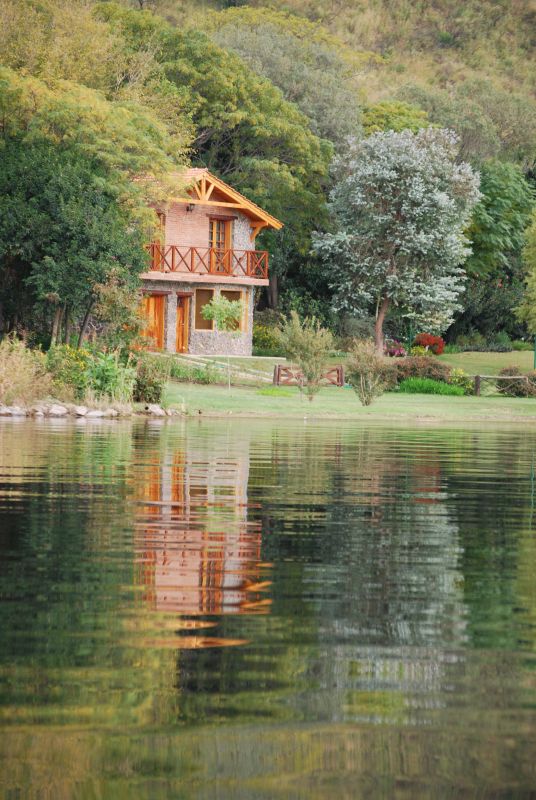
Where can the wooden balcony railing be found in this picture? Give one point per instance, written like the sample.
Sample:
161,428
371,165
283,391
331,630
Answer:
208,261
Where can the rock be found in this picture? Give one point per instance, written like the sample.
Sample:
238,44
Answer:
16,411
38,410
80,411
39,413
111,412
96,413
57,411
4,411
155,410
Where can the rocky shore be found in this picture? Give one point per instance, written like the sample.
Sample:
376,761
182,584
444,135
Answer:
58,410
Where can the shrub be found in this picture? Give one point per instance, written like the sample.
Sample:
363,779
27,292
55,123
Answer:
23,373
152,373
308,345
418,350
422,367
393,348
429,386
109,378
435,344
460,378
180,371
207,374
366,372
265,341
452,348
517,388
519,344
69,369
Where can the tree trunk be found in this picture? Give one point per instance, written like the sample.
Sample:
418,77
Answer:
273,292
83,327
68,326
378,327
56,326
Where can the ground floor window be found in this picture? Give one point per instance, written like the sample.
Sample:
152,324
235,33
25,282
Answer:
233,296
202,298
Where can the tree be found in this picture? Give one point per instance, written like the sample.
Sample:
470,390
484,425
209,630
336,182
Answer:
308,345
400,205
526,311
393,116
227,315
63,231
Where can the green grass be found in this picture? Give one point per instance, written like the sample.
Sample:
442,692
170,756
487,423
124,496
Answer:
429,386
332,402
489,363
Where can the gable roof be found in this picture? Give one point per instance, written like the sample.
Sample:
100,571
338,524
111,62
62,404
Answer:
202,185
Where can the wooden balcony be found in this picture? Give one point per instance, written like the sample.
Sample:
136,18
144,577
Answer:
209,261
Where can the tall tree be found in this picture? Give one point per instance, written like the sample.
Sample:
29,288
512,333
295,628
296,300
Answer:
400,205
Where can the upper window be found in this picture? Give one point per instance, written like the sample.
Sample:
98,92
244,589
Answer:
202,297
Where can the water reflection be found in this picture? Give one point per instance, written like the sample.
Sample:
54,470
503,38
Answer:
266,610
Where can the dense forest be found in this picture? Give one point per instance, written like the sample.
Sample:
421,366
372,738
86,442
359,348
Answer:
268,95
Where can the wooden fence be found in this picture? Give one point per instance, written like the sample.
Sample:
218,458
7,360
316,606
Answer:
292,376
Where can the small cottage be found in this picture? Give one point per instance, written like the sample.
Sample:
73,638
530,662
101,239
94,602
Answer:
206,247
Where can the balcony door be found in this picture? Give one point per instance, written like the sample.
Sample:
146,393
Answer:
220,237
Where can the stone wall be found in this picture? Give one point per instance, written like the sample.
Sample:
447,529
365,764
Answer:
204,342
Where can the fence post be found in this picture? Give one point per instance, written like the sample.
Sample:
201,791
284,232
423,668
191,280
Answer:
477,385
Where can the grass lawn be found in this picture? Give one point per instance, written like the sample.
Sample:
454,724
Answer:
489,363
343,403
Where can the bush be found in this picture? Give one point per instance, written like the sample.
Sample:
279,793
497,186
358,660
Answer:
418,350
460,378
429,386
393,348
366,372
266,341
475,342
109,378
519,344
517,388
152,373
308,345
422,367
23,373
69,369
435,344
188,373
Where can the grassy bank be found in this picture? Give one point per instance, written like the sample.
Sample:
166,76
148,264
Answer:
343,403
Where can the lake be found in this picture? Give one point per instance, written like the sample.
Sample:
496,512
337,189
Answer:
266,609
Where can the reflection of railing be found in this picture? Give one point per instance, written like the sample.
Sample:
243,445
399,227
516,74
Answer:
208,260
292,376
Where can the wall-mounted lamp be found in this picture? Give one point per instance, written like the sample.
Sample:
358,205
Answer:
190,207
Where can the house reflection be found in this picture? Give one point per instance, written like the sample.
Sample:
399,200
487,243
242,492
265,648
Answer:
196,551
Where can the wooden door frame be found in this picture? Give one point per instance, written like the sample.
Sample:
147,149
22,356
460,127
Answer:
186,296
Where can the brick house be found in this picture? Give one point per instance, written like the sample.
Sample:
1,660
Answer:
206,247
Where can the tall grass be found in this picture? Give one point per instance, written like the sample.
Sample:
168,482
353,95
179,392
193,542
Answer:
23,373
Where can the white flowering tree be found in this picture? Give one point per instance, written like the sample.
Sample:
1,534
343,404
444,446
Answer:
400,205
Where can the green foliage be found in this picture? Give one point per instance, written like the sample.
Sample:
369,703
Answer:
461,379
23,373
366,372
62,233
225,313
422,367
520,346
274,391
517,387
312,75
69,369
393,116
181,371
307,345
118,306
110,379
429,386
152,374
526,311
499,219
418,350
265,340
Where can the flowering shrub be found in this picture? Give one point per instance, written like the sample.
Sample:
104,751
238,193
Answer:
424,367
461,379
418,350
69,369
393,348
265,340
434,344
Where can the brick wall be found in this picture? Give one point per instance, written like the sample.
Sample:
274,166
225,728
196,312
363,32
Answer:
191,228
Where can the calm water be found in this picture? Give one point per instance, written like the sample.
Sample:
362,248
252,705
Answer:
266,610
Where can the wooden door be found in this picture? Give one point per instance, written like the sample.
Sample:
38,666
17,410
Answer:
183,314
220,244
154,314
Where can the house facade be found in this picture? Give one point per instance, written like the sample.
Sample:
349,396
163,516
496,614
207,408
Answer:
206,248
